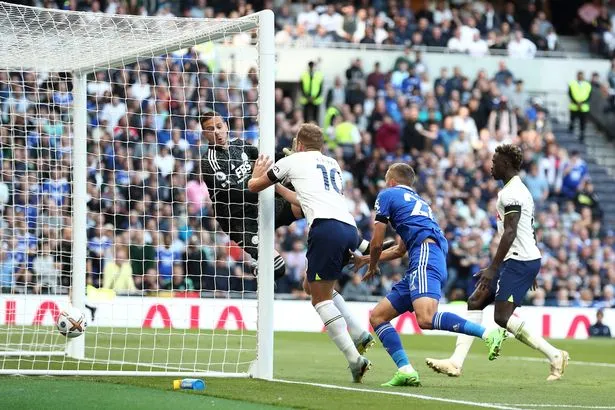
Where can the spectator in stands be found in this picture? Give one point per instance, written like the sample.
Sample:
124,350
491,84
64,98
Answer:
519,98
180,281
503,73
455,44
586,197
407,119
478,47
117,274
356,289
520,47
579,92
308,18
311,87
295,268
46,270
462,122
537,185
599,329
503,120
574,174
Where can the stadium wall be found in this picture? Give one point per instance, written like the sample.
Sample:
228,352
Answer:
238,314
547,77
538,74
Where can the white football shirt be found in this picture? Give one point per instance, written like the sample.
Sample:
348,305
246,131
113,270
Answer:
515,197
317,179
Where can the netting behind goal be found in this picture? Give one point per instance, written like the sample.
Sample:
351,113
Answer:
164,287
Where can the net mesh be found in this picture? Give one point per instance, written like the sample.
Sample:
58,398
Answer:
168,287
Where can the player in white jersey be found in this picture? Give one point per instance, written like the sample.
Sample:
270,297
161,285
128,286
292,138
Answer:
512,271
317,180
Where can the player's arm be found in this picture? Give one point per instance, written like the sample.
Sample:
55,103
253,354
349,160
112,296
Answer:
264,175
380,225
287,194
394,252
512,214
260,179
375,249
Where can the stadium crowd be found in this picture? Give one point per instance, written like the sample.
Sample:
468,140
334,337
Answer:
461,26
150,223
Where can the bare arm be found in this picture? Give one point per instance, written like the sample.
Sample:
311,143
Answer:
287,194
511,220
375,251
390,254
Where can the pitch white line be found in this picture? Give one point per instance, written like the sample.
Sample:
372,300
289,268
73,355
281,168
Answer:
403,394
573,362
563,406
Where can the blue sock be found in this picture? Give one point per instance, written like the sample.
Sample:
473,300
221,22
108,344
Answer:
392,343
453,323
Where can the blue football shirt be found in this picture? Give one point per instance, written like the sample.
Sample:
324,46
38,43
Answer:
410,216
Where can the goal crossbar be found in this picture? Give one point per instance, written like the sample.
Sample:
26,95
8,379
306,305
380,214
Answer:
126,39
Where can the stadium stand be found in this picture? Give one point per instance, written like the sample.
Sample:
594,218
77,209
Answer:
446,128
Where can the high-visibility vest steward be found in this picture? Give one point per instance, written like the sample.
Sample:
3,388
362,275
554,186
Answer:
311,86
330,115
579,93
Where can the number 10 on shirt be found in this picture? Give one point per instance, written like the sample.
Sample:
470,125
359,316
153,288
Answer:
328,177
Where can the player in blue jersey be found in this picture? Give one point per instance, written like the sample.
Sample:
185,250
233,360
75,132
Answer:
419,291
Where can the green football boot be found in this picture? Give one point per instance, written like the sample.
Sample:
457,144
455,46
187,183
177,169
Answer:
404,379
494,341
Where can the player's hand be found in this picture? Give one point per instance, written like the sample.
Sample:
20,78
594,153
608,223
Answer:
358,261
371,272
534,285
261,166
486,276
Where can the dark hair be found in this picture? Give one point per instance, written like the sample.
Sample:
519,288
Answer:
402,173
512,153
206,116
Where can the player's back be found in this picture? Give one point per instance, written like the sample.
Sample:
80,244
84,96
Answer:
515,197
317,180
410,216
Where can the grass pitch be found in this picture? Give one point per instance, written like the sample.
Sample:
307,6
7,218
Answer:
312,374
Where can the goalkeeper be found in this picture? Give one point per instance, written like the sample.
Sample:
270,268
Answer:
226,169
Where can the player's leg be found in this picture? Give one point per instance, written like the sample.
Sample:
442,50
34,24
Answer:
248,241
361,337
478,300
327,242
396,302
426,283
516,279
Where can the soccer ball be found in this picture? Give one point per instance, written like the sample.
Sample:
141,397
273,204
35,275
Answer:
71,323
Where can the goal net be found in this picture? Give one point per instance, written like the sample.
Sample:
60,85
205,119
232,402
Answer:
104,201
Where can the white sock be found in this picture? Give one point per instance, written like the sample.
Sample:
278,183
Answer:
336,329
363,246
354,328
406,369
464,342
516,326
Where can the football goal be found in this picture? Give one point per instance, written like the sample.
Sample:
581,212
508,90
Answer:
103,202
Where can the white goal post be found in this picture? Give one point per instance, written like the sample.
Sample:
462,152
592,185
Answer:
54,50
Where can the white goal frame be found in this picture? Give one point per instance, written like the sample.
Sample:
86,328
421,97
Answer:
262,366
